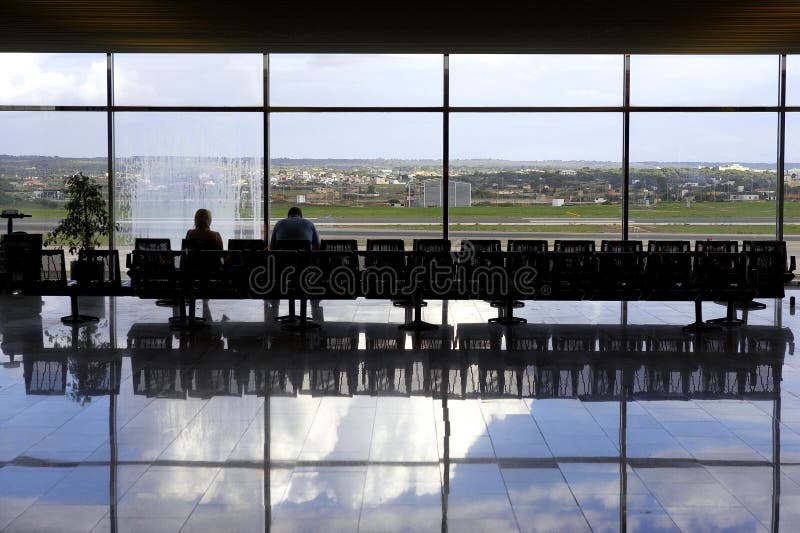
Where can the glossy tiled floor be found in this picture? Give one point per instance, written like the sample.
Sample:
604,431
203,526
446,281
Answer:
572,422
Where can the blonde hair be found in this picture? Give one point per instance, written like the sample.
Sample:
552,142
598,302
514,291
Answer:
202,219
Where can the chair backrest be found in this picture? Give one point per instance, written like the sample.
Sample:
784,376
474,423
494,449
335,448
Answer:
296,245
54,271
385,245
716,246
573,246
481,245
431,245
247,244
621,246
160,245
527,245
764,246
110,261
196,245
669,246
338,245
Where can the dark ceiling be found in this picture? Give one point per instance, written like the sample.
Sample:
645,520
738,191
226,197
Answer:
401,26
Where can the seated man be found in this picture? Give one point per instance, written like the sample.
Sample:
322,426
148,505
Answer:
295,228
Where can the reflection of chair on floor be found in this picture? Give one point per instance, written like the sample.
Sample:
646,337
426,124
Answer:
479,337
45,374
438,340
160,377
388,368
331,374
217,373
95,377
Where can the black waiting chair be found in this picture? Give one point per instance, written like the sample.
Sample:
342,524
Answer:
426,253
335,276
620,271
205,274
396,261
766,268
293,245
157,245
719,273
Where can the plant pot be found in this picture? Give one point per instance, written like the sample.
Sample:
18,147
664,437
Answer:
84,271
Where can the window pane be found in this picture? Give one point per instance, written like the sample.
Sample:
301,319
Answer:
53,79
536,80
793,80
791,227
354,173
536,175
355,80
168,165
39,150
704,80
189,79
696,176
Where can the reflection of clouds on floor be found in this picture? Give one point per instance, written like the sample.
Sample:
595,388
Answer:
375,463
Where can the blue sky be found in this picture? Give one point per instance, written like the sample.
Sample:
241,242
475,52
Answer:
379,80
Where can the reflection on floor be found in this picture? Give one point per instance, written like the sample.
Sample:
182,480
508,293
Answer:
594,416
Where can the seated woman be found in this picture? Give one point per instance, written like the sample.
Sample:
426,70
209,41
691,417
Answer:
202,229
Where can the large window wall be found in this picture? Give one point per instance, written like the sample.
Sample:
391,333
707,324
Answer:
407,146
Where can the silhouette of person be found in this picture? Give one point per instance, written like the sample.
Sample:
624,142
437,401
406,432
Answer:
202,229
295,228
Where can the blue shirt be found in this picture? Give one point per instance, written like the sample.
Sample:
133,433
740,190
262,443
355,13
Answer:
295,229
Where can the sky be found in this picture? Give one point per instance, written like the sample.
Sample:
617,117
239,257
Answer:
398,80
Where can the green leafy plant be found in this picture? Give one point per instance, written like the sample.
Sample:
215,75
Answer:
87,219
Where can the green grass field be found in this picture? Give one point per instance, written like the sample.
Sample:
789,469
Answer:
667,210
662,210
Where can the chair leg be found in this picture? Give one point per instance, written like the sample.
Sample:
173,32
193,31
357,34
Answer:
729,320
190,322
698,324
76,318
505,315
417,324
303,321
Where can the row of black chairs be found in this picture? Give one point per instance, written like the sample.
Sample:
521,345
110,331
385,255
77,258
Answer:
621,271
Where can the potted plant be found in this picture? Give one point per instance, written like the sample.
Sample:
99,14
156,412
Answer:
87,221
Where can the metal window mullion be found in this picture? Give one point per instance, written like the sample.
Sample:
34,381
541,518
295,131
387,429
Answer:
446,148
110,147
779,184
626,145
265,111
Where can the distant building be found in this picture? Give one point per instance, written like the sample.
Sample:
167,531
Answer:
733,166
568,172
460,194
558,202
744,197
